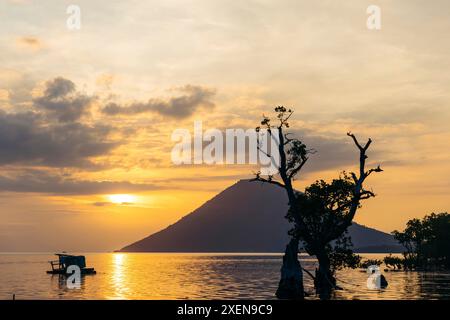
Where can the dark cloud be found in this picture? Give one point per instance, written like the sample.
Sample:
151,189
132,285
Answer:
61,100
330,152
334,152
27,138
176,107
42,182
102,203
54,135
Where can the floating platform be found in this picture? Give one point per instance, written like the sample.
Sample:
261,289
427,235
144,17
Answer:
64,272
66,260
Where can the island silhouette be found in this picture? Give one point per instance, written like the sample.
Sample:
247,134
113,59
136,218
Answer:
246,217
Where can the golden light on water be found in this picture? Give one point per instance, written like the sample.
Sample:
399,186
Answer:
122,198
118,259
119,276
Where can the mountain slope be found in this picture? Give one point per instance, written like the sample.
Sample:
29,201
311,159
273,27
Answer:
246,217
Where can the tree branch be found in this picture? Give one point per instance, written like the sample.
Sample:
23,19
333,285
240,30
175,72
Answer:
355,140
359,193
298,168
377,169
269,180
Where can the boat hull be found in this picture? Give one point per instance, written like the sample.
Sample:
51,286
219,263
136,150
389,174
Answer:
63,272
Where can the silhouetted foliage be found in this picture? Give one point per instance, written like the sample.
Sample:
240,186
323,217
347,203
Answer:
322,214
427,242
393,262
341,254
370,262
326,213
327,210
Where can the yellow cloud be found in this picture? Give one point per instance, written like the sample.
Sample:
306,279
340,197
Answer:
105,80
4,95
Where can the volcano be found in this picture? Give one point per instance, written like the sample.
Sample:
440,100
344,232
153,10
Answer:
246,217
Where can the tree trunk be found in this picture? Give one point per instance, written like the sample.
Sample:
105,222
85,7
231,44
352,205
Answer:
291,282
325,281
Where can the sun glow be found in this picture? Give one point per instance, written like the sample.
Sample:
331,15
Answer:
122,198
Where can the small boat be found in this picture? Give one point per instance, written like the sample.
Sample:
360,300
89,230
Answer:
65,260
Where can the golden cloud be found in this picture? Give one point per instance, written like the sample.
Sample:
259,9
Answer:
4,95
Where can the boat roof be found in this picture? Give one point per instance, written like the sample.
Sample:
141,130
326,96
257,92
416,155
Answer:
67,255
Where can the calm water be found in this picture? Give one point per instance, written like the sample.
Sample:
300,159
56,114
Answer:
195,276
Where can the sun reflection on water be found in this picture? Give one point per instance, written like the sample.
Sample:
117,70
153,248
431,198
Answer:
198,276
119,276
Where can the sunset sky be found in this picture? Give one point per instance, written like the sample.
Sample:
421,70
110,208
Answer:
86,116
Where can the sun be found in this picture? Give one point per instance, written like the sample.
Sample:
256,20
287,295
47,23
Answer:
121,198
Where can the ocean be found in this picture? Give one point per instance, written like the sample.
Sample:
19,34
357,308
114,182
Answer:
197,276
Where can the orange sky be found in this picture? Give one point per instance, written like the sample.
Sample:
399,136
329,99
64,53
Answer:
85,114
